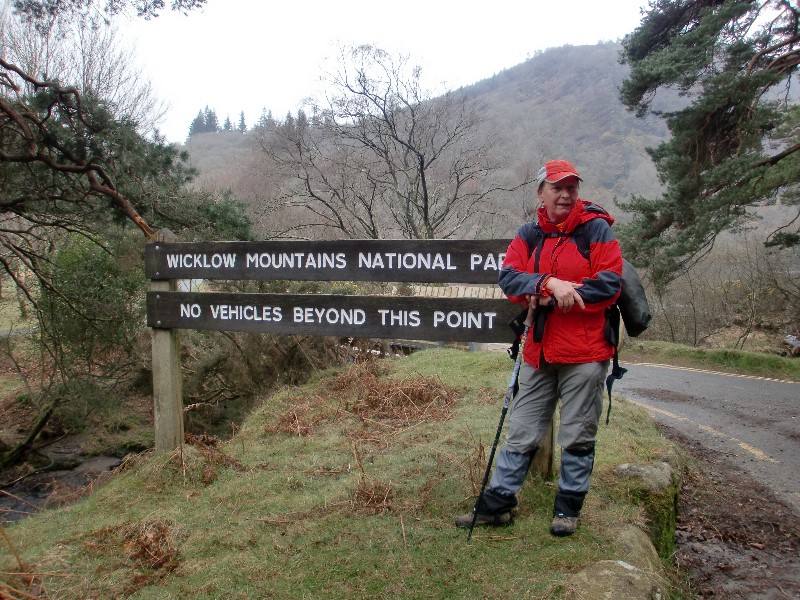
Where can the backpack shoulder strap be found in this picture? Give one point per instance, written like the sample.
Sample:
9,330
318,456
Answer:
578,235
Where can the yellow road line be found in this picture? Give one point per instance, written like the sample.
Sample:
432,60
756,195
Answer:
756,452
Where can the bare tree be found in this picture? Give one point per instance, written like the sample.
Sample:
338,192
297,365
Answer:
86,53
383,158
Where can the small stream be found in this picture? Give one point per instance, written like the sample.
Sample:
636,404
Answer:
52,488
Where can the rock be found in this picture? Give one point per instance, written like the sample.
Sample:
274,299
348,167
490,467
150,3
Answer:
98,464
656,485
636,548
614,580
656,477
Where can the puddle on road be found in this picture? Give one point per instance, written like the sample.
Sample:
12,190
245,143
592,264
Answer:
665,395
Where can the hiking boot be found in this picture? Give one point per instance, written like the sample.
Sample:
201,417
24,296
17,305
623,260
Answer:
503,518
563,526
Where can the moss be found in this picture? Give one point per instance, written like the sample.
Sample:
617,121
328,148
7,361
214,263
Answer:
662,513
661,509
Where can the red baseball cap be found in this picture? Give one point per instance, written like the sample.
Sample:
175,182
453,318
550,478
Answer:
556,170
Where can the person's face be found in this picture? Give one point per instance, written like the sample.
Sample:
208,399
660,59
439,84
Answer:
559,198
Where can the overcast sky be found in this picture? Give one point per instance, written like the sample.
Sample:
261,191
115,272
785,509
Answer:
236,55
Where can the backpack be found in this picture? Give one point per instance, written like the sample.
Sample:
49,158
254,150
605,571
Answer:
631,306
632,303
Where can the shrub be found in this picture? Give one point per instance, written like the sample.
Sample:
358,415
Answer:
95,306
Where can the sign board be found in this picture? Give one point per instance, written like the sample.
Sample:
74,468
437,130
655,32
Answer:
385,317
429,261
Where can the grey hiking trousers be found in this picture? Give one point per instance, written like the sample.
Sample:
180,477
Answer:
580,388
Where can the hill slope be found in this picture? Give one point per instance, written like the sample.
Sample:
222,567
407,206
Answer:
561,103
343,488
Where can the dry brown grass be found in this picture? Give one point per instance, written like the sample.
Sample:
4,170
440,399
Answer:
151,544
149,548
476,466
402,402
301,418
490,396
212,457
372,497
372,433
355,374
382,406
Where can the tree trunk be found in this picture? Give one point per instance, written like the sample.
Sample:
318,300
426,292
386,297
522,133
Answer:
19,453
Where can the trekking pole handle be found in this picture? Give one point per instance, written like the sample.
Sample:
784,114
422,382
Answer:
533,301
512,381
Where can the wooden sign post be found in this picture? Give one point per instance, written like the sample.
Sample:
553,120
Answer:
382,317
167,380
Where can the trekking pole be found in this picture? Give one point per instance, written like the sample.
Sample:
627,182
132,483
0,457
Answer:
512,383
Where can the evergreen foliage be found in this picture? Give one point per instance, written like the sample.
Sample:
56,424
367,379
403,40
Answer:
43,11
301,123
242,127
74,176
212,124
266,120
198,125
96,305
199,215
737,142
206,121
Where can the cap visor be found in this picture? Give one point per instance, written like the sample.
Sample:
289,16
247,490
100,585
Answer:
561,176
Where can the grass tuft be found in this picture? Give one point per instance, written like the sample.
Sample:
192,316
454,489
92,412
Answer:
732,361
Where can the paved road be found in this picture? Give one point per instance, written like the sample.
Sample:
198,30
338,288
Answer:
754,421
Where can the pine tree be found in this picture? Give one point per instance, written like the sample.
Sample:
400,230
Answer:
212,124
266,121
198,124
302,121
736,142
242,128
288,126
227,126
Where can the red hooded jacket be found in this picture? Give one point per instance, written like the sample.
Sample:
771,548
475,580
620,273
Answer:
576,336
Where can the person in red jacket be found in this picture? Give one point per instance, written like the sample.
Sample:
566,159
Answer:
569,263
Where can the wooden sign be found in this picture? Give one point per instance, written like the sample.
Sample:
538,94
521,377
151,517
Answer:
431,261
385,317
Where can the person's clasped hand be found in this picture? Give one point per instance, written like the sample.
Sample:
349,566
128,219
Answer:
565,293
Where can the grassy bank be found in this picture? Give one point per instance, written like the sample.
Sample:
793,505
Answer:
730,361
342,488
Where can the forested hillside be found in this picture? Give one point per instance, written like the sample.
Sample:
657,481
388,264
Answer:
564,102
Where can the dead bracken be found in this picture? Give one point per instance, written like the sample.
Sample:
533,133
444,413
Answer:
151,544
213,457
475,466
300,419
372,497
356,374
407,401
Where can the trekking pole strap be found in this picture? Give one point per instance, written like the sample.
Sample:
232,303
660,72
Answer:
617,372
